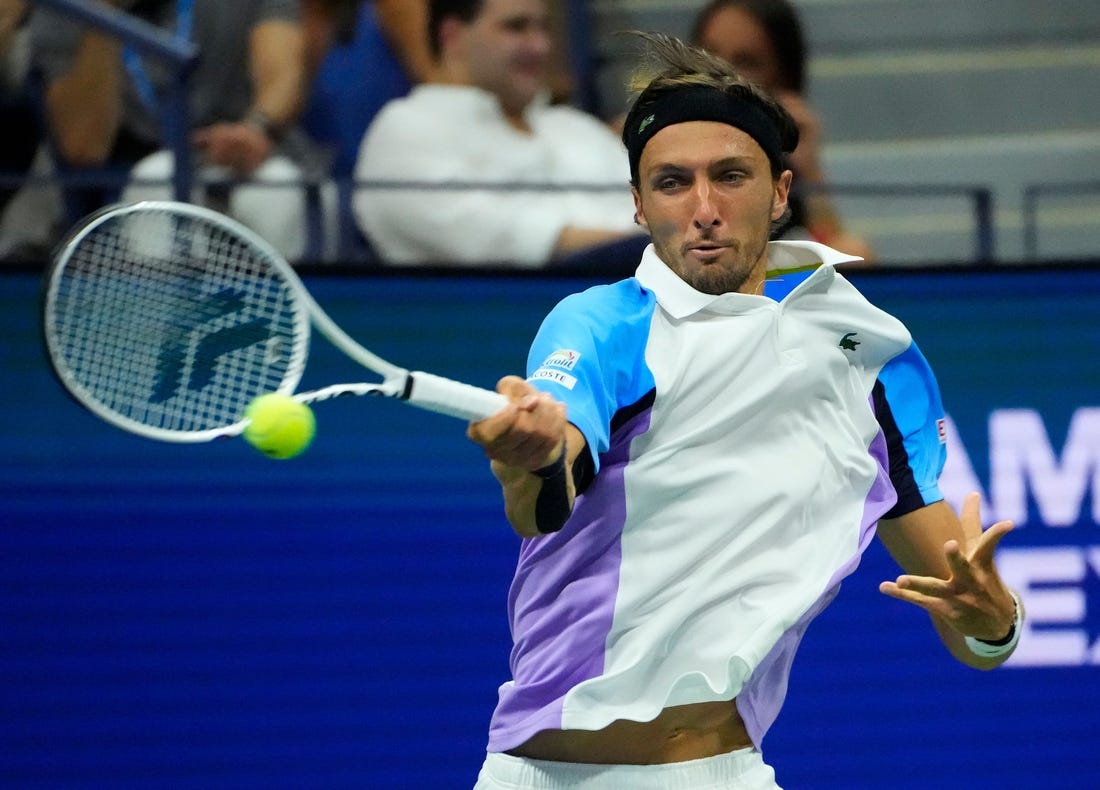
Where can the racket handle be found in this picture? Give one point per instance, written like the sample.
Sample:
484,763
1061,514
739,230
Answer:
453,398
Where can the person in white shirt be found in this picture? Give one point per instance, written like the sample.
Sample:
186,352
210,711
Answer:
477,167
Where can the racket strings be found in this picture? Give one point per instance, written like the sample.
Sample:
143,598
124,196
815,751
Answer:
173,322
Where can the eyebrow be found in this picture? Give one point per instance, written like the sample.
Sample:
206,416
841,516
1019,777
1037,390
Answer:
669,168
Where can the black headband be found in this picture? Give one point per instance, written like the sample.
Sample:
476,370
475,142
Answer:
702,103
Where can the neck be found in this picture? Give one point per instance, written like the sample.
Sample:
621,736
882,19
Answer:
754,285
754,282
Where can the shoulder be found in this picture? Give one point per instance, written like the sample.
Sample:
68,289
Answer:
605,317
804,277
401,129
614,302
438,112
400,110
564,118
908,379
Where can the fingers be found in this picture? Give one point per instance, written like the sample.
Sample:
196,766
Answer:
485,431
913,588
527,433
514,387
980,546
987,545
972,597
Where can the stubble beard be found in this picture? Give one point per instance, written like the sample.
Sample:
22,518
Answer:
716,279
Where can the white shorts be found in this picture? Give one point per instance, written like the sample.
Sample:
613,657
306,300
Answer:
743,769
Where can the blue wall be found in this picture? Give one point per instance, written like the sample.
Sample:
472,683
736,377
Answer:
200,616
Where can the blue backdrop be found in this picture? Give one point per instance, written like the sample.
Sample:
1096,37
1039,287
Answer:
200,616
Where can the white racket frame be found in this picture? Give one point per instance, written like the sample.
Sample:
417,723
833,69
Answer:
417,388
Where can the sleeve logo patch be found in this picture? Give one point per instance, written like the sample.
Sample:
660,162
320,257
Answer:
562,358
941,430
556,376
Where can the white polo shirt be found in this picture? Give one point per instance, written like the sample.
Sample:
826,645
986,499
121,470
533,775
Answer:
744,447
569,170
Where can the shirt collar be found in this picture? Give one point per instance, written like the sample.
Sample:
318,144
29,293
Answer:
789,263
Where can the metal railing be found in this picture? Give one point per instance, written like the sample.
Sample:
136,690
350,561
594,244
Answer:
980,197
1033,194
346,244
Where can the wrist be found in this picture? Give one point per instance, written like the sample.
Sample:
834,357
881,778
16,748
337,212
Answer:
263,123
554,468
1005,645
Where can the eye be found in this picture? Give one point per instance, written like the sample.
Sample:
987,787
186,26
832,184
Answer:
668,183
732,176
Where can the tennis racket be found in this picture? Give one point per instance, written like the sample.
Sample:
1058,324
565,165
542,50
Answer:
167,319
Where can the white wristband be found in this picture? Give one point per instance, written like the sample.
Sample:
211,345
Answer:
1002,648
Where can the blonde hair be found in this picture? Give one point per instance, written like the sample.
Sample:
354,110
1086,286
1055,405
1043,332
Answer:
667,61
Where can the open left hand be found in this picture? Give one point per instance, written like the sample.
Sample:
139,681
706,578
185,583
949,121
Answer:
973,600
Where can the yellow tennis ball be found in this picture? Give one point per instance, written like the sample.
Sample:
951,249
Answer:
280,426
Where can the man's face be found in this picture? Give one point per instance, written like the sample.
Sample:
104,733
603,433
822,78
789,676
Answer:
706,195
737,37
506,50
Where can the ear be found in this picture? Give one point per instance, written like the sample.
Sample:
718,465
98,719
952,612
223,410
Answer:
639,215
782,193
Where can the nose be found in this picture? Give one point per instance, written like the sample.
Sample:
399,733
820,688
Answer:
539,40
706,210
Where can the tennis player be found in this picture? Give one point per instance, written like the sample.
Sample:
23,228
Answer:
697,457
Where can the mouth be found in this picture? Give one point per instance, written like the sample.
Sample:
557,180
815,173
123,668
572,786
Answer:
532,67
705,250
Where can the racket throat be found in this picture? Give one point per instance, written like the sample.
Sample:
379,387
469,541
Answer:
406,387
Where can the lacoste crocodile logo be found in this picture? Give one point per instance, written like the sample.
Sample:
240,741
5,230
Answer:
848,342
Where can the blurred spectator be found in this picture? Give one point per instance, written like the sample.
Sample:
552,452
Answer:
104,105
763,39
21,133
29,215
486,118
360,55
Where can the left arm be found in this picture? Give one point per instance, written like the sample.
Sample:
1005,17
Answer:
277,66
951,574
278,72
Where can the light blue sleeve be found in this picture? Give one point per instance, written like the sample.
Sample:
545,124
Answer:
589,353
918,448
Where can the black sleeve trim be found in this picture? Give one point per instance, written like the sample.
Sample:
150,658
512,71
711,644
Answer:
584,468
584,471
901,474
627,413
